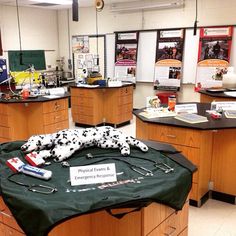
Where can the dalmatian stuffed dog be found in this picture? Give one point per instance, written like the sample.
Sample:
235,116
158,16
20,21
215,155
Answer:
63,144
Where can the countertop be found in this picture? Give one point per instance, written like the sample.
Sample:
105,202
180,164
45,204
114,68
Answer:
212,124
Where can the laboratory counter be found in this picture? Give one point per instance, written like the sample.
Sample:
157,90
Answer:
211,146
102,105
22,118
217,95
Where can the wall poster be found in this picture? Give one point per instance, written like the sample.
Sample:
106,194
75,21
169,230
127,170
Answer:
126,56
213,56
80,44
169,54
88,56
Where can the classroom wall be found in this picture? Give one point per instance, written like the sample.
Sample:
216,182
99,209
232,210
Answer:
210,13
39,30
48,29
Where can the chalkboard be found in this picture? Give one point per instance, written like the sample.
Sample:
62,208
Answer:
20,60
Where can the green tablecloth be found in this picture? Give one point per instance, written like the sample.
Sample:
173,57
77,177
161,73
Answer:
38,213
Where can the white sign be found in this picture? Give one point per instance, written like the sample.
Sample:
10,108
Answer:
216,31
186,108
93,174
171,33
127,36
223,106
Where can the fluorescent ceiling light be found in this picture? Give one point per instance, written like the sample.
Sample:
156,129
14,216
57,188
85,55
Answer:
59,2
145,5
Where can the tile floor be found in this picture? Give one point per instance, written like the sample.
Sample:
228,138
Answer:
214,218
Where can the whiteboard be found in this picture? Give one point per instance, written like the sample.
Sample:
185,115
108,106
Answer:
190,57
110,55
146,56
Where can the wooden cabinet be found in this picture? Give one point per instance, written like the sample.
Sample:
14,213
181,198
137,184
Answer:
149,221
173,225
153,220
93,106
223,172
8,225
87,106
118,105
210,98
19,121
196,145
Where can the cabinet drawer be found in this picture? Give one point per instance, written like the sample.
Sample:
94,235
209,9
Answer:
88,102
168,227
4,109
154,215
122,100
6,216
126,91
3,140
55,105
184,232
2,229
174,135
84,119
5,132
54,117
8,231
2,205
173,225
124,117
88,93
124,109
56,127
82,110
4,120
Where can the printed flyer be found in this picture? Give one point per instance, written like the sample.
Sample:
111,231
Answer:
213,56
80,44
126,56
169,54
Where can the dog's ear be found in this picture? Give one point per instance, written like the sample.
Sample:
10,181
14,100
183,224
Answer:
39,143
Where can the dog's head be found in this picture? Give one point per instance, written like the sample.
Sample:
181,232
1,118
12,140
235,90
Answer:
37,142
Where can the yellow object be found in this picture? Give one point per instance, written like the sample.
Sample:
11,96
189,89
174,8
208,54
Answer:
92,80
23,77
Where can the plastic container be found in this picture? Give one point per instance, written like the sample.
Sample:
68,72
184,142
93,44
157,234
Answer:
163,96
171,102
25,93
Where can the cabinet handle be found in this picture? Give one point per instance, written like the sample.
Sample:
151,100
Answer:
171,136
57,107
173,229
5,214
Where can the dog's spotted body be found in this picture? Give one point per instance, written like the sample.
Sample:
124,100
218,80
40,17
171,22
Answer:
63,144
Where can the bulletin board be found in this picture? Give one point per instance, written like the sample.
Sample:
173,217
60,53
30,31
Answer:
147,52
93,58
20,60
